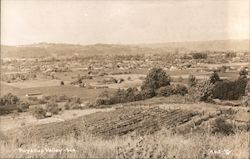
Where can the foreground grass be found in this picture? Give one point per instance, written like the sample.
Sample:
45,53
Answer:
160,145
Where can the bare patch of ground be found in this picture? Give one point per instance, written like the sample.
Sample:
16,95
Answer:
19,120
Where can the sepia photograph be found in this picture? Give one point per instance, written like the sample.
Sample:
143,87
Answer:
121,79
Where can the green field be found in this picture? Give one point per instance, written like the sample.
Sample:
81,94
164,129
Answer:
83,93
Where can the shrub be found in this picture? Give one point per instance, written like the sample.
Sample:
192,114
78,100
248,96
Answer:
42,101
52,107
76,106
120,96
191,80
172,89
104,94
34,99
192,95
222,127
124,96
214,77
73,103
146,93
199,55
205,90
243,72
229,90
75,100
38,112
103,101
9,99
165,91
179,89
46,97
66,106
221,89
23,106
54,98
131,94
155,79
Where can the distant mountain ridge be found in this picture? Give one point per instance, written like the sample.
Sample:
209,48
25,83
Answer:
215,45
60,49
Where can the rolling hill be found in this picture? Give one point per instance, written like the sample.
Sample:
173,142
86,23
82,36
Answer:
52,49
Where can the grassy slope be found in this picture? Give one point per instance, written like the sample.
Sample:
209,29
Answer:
162,144
73,135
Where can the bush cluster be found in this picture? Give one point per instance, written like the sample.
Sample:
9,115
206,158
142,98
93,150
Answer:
199,55
156,78
55,98
229,90
120,96
22,106
243,72
221,89
9,99
38,112
177,89
124,96
204,90
222,127
73,103
52,107
214,77
157,82
33,99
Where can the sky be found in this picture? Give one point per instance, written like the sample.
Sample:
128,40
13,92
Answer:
122,21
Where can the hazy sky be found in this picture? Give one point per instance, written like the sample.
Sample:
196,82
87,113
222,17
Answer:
122,21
